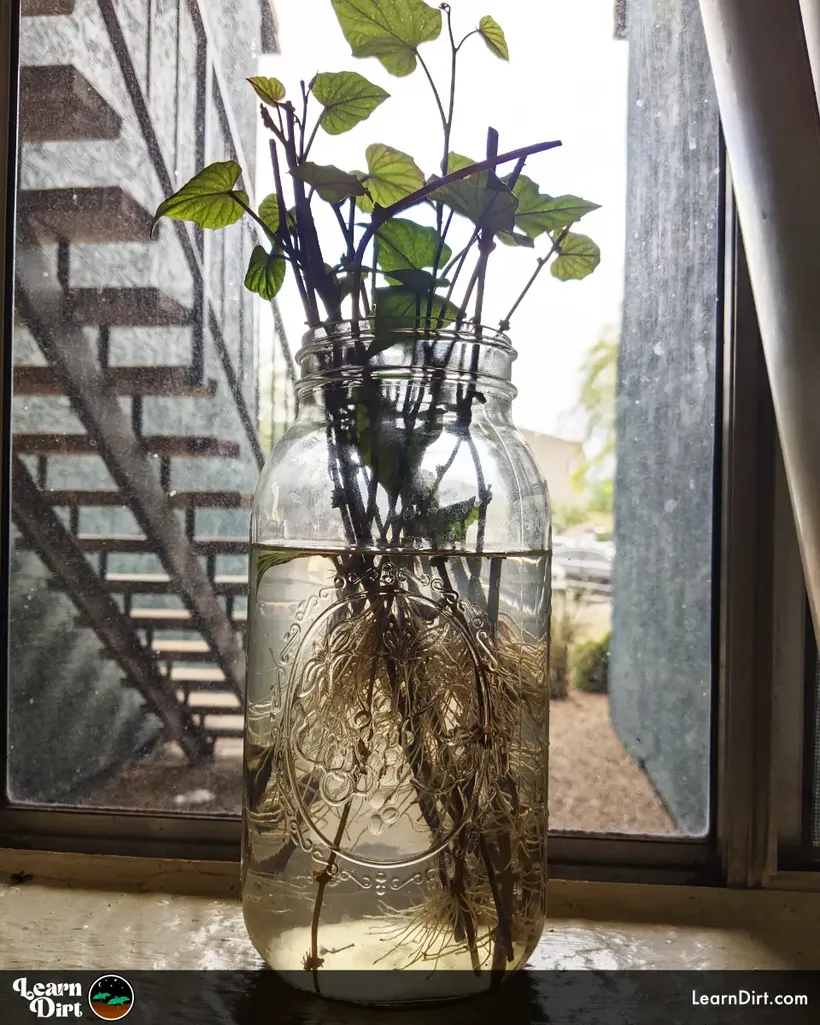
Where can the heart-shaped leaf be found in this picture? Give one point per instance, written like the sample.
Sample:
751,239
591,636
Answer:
391,176
266,272
482,197
347,97
579,257
269,90
537,213
493,35
208,199
269,213
333,185
390,30
405,245
404,314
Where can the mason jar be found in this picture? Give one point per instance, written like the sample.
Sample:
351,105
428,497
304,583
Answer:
395,782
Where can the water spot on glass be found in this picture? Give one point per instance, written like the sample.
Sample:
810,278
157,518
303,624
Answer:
657,348
377,801
361,720
389,815
693,144
638,103
670,505
376,824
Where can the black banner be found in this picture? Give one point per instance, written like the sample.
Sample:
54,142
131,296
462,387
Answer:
530,998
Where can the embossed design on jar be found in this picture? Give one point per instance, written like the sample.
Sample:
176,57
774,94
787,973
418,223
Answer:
370,708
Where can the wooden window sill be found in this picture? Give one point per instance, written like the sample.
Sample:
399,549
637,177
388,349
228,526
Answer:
78,911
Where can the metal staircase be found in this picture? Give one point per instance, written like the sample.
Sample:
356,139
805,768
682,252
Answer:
186,662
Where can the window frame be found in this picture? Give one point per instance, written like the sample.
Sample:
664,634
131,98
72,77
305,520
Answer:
741,849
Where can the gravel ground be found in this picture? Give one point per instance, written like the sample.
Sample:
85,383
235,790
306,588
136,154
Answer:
594,785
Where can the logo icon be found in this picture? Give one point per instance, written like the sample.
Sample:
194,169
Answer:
111,997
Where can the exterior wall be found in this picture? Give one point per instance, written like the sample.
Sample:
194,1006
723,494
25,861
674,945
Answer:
661,663
162,44
558,459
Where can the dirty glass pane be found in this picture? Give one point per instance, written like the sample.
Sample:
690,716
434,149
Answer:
148,385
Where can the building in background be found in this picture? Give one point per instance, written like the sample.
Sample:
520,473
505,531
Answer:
558,459
137,388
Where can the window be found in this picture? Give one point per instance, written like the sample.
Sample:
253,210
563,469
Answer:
148,386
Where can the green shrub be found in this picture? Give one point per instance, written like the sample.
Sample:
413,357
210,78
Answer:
566,609
592,666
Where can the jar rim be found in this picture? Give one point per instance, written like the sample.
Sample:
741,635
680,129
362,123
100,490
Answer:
343,332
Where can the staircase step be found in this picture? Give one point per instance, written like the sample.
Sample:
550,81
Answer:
185,446
89,215
236,732
154,381
175,619
235,584
59,104
212,702
39,8
182,651
198,679
136,544
178,499
168,619
124,307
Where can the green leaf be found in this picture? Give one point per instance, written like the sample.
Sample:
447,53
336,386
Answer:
579,257
450,523
390,30
269,90
538,213
392,175
482,197
269,213
333,185
493,35
266,560
400,315
207,199
266,272
347,97
404,245
566,210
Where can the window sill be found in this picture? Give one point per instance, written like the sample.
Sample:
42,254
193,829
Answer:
79,911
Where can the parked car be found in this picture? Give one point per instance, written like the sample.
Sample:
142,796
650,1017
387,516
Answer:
589,567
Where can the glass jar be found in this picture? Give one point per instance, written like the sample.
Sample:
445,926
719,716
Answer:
395,802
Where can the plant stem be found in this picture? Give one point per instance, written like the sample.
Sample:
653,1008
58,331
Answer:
268,233
307,149
421,194
284,235
314,962
542,261
486,245
439,104
303,122
318,280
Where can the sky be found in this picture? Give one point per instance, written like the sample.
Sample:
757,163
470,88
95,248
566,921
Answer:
567,80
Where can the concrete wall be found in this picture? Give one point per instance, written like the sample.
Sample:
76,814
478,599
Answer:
661,669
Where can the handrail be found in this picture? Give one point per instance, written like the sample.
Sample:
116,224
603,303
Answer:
117,38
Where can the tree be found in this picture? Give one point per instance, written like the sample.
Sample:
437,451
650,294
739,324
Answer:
596,403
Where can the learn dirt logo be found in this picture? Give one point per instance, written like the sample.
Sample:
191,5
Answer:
111,997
